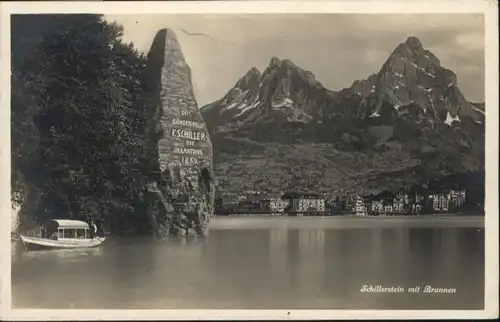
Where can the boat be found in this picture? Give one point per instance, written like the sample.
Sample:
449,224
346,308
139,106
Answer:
63,233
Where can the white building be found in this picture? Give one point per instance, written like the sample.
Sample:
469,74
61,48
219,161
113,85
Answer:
440,202
377,206
398,206
305,203
276,205
456,197
359,206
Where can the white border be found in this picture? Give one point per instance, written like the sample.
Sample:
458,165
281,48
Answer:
488,7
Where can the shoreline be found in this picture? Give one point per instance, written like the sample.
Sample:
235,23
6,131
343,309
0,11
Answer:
345,222
352,215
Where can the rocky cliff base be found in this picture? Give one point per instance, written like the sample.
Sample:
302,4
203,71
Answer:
180,207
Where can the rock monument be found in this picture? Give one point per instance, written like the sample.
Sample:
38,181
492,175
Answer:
184,190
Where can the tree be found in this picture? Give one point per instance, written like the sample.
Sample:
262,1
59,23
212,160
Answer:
78,123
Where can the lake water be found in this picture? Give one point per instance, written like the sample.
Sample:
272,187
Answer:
266,263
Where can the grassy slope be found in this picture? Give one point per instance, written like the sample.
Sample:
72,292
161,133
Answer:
274,167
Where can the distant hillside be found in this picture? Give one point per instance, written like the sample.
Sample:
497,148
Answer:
407,124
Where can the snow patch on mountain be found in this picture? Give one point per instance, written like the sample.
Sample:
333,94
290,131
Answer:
247,107
238,102
449,119
232,105
285,102
478,110
431,75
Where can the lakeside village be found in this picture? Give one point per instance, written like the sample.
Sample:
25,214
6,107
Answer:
312,204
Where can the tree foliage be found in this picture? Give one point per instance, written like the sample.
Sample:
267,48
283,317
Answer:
78,122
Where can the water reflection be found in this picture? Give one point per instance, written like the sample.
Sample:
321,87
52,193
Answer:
260,268
66,255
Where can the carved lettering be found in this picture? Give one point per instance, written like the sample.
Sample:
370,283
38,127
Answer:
184,131
189,135
189,160
188,151
188,123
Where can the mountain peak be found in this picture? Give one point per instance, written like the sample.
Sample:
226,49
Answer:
414,75
414,43
253,71
275,61
250,80
288,63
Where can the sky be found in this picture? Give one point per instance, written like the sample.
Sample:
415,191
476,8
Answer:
337,48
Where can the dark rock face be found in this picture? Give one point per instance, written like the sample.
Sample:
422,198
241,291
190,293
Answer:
413,75
184,191
410,75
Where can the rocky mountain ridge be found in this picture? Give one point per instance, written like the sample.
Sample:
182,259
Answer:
414,75
411,75
282,92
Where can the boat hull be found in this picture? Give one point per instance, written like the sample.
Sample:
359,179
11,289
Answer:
35,243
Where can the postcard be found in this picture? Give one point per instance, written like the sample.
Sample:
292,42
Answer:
249,160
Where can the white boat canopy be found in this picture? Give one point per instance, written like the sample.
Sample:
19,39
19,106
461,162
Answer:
71,224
